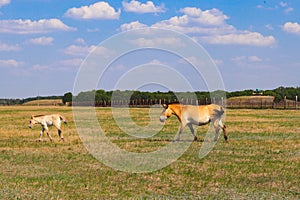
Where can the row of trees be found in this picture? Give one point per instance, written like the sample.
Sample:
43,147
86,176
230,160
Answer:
279,93
101,95
8,102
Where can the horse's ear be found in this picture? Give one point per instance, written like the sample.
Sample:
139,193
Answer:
31,116
165,106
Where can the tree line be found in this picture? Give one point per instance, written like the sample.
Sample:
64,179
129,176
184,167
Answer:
279,93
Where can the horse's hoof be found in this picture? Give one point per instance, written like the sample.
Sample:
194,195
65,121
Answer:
226,138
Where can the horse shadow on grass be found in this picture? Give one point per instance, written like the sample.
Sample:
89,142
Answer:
173,140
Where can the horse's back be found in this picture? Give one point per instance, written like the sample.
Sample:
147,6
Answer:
211,110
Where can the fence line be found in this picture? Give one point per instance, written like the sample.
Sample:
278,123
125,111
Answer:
263,104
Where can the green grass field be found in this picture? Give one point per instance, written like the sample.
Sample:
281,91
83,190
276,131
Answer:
260,161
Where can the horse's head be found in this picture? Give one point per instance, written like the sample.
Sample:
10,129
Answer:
166,113
31,122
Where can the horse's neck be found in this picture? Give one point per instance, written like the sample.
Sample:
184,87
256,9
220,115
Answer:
38,120
177,110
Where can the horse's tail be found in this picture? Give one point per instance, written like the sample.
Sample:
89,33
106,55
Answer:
218,112
63,119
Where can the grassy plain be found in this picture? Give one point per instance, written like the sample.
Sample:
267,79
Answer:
261,160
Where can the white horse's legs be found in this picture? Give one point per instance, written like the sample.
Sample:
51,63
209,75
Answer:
60,134
47,131
41,134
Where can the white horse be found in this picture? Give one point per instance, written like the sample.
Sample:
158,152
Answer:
197,115
48,120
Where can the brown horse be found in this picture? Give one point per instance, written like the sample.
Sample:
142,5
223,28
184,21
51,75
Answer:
197,115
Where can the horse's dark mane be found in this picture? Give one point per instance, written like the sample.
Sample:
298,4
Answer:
175,102
38,115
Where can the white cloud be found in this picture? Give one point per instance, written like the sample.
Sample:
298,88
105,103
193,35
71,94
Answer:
80,41
10,63
283,4
208,26
158,41
243,38
246,60
269,27
32,27
7,47
132,25
99,10
207,17
291,27
218,62
71,62
79,50
41,41
62,65
195,20
288,10
157,62
93,30
138,7
4,2
38,67
84,50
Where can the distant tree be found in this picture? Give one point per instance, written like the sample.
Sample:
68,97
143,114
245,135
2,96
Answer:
85,96
67,97
101,95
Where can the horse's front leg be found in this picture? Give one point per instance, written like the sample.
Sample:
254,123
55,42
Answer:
180,131
60,134
47,131
223,127
41,134
59,131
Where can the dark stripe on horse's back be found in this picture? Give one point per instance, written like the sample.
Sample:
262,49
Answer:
38,115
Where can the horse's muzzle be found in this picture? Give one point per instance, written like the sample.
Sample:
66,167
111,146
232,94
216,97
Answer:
162,119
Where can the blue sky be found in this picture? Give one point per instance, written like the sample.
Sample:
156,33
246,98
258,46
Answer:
255,44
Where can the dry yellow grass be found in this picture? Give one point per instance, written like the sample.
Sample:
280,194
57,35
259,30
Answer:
44,102
261,160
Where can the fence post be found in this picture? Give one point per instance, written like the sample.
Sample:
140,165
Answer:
296,102
284,103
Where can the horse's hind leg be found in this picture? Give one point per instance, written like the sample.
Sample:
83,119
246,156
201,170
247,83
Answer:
225,134
217,129
217,133
193,132
223,127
